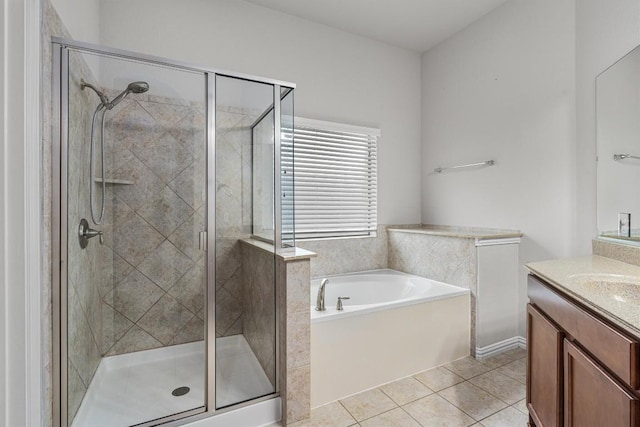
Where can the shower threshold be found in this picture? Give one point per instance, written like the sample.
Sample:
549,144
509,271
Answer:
137,387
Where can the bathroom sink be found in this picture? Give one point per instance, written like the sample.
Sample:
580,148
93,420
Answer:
616,287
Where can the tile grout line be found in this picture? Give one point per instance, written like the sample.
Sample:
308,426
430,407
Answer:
411,401
455,406
486,372
488,392
401,407
411,416
475,376
348,412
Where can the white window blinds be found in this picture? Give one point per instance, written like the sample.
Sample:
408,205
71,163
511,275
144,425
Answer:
335,175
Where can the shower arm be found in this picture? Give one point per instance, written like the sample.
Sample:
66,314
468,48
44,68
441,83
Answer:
103,98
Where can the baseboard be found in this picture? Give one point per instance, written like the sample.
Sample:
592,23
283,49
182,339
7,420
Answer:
522,343
500,347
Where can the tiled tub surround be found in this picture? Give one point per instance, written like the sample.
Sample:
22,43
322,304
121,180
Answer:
371,344
485,261
466,392
294,328
336,256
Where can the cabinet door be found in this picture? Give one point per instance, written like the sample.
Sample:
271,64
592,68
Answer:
544,370
592,397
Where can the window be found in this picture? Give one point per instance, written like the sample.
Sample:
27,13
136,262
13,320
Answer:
335,170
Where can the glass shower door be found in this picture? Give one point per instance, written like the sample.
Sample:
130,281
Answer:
245,322
135,187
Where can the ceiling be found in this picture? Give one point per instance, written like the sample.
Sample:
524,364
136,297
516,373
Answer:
416,25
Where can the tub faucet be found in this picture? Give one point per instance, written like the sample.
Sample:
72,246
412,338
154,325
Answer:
320,300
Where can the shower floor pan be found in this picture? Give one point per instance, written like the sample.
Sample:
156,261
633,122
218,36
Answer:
137,387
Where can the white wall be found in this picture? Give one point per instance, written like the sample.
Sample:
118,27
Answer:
605,31
340,77
503,89
82,18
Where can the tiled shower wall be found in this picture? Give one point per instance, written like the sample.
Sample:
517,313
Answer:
233,213
159,284
85,266
155,145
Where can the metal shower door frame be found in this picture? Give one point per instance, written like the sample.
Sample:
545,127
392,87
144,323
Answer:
60,97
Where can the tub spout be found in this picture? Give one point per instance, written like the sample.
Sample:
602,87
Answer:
320,299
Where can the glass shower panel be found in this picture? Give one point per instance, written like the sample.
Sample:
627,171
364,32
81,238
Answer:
135,292
287,168
245,277
263,177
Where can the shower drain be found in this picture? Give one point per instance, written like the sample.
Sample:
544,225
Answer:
180,391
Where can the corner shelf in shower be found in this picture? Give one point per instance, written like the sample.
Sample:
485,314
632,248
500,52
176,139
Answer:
115,181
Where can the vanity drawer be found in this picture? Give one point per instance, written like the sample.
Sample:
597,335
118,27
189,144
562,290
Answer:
614,350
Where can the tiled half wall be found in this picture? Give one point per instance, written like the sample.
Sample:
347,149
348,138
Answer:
291,300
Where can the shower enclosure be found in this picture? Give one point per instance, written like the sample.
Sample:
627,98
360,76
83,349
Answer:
164,168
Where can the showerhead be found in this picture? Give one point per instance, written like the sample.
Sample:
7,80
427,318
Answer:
134,87
138,87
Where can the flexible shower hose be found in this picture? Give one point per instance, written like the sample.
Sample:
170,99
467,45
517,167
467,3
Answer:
91,164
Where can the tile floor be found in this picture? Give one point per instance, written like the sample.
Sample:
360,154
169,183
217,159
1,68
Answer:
490,393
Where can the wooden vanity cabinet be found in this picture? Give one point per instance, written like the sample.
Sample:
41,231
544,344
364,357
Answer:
544,369
581,370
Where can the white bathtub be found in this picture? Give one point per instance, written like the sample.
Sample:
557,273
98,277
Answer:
374,290
394,325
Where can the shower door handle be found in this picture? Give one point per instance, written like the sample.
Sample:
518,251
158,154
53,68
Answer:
202,241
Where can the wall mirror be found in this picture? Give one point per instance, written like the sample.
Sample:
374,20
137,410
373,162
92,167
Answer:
618,149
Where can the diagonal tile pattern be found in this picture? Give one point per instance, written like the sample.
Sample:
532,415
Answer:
158,144
155,294
439,397
154,272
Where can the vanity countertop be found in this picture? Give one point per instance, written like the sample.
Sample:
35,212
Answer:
609,287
